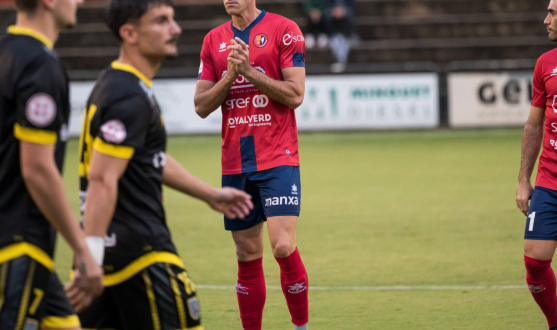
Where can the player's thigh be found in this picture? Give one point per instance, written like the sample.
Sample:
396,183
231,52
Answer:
160,297
23,283
540,233
257,215
249,243
59,313
103,313
282,231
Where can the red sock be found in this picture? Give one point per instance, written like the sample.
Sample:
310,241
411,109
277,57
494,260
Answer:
251,292
542,284
294,282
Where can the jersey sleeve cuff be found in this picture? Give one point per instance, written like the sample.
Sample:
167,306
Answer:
34,135
123,152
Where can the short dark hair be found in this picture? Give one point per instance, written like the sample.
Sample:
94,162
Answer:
121,12
27,5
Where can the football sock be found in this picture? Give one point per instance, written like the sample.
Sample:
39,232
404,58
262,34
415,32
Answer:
251,292
542,284
294,282
301,327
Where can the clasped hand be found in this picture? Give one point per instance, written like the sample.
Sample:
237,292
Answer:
238,59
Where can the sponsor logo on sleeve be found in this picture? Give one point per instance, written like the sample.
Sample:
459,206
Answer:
288,39
200,68
114,131
260,40
41,110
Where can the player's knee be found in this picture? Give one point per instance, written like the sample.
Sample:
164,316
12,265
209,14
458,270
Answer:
246,252
283,249
536,268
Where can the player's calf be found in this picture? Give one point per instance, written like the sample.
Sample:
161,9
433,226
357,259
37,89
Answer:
294,283
542,285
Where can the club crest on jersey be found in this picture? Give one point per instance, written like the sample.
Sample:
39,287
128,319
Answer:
114,131
41,110
260,40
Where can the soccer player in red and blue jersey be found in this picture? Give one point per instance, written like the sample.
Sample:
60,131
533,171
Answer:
540,239
253,68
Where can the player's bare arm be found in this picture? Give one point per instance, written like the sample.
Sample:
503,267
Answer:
289,91
102,192
531,144
44,182
210,95
104,173
232,202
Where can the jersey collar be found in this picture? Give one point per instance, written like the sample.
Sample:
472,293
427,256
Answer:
18,30
254,23
128,68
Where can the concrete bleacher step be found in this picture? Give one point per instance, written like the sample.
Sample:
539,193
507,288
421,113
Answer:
391,31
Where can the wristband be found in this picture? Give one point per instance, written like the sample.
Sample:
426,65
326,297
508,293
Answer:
96,247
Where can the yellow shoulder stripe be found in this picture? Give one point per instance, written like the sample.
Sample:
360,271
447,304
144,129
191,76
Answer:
34,135
60,322
124,152
20,249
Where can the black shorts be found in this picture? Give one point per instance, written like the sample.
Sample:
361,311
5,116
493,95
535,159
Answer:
159,297
32,296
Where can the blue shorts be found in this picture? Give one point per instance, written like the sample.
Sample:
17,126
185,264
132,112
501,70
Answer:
274,192
541,223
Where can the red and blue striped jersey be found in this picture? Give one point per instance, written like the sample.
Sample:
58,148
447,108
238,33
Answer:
258,133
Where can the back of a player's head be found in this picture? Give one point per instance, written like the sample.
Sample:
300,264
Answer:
28,6
121,12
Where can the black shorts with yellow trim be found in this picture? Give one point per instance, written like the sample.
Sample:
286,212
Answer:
160,296
31,294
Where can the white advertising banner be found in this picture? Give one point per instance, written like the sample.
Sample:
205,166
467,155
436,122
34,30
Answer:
394,101
489,99
388,101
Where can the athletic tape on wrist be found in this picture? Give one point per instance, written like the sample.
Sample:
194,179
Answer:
96,247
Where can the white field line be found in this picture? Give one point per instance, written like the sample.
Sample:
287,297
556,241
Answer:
385,288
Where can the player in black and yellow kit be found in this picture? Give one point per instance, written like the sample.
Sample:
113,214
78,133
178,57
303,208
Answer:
123,164
34,113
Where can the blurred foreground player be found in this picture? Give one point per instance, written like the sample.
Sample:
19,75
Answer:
540,238
34,113
123,165
253,68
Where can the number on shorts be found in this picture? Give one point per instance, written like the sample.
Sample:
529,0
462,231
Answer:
532,217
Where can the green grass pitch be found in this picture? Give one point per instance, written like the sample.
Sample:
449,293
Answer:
386,216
